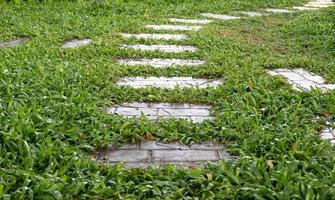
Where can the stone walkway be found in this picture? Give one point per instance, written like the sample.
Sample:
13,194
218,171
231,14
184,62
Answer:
143,154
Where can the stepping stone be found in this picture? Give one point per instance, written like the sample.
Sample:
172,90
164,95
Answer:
304,8
162,48
174,27
318,5
302,79
328,134
13,42
160,63
190,21
274,10
251,14
153,111
76,43
155,36
156,154
217,16
167,82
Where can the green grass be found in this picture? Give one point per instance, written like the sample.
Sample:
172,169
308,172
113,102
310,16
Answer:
53,101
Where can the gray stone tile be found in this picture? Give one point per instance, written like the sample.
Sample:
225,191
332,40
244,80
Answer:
155,36
275,10
218,16
183,155
195,113
77,43
167,82
162,48
160,63
153,145
301,79
303,8
13,42
251,13
190,21
129,156
174,27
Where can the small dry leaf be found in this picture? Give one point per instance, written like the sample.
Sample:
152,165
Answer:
149,136
270,163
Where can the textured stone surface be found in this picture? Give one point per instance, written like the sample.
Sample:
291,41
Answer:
174,27
13,42
159,62
314,5
217,16
190,21
167,82
128,156
77,43
328,134
274,10
153,153
302,79
195,113
154,36
251,14
162,48
184,155
303,8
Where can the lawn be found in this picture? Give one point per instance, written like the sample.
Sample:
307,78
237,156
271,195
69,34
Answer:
53,101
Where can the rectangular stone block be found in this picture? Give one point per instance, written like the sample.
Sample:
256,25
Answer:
167,82
77,43
162,48
190,21
183,155
174,27
13,42
153,111
155,36
275,10
129,156
152,145
160,63
217,16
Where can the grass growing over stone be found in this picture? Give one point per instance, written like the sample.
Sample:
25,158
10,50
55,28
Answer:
53,101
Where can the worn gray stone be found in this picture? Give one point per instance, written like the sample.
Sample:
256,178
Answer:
13,42
157,154
275,10
195,113
251,13
77,43
153,145
190,21
174,27
162,48
155,36
301,79
184,155
218,16
167,82
128,156
159,62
